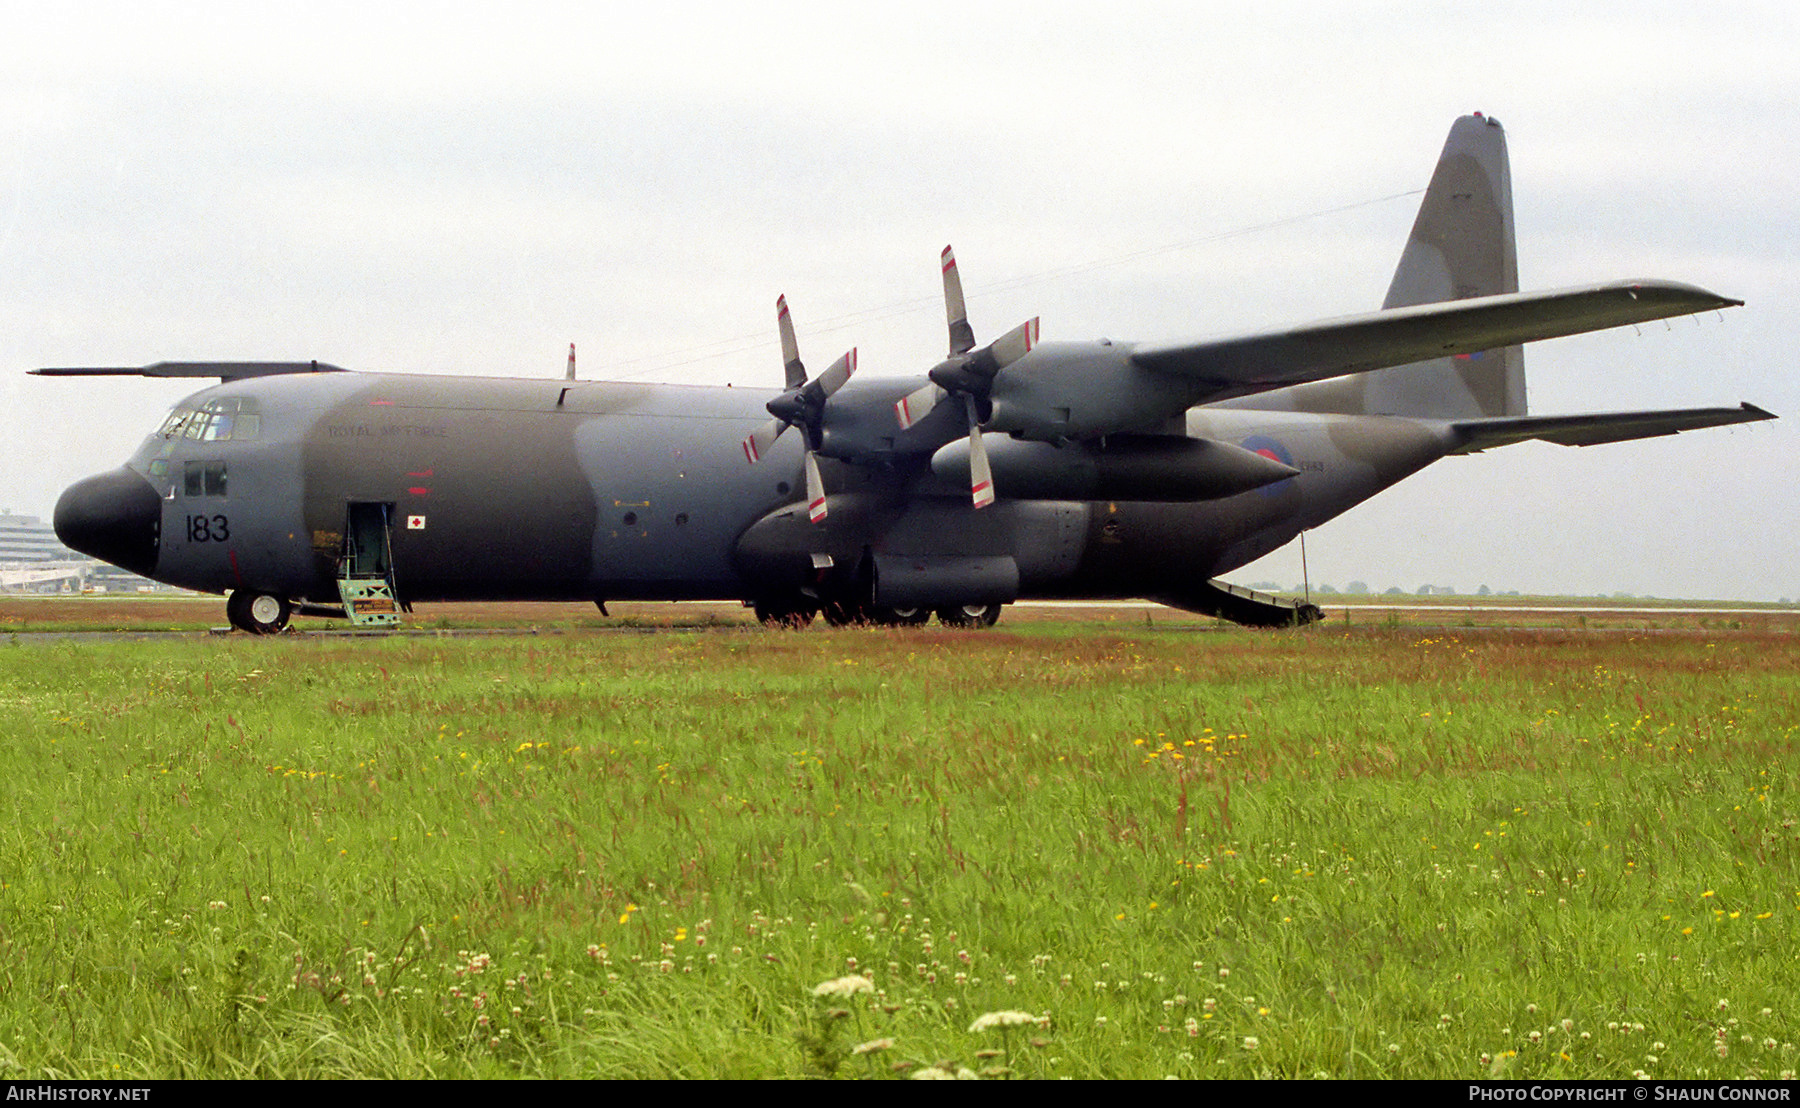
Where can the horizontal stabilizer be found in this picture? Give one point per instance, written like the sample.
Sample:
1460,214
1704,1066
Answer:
1592,430
1399,336
225,371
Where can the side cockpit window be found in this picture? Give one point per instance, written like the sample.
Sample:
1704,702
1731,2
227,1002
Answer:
220,419
203,478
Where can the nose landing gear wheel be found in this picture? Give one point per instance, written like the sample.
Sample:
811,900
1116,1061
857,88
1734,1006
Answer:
257,613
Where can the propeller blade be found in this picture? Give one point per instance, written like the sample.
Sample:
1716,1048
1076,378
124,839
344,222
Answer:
571,375
815,489
916,405
833,379
1015,344
764,437
790,349
962,336
981,475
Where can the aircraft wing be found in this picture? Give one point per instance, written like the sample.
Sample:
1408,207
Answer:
225,371
1591,430
1265,360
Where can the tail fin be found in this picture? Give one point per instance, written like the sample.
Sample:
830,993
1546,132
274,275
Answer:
1461,246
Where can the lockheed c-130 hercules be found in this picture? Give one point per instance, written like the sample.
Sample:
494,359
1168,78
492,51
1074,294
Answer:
1016,469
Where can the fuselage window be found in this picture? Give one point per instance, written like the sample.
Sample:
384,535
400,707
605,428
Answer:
203,478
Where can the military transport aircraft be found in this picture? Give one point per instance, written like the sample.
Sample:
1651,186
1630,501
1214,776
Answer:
1012,470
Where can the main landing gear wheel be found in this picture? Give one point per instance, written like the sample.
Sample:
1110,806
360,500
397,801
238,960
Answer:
784,616
258,613
840,614
899,617
969,615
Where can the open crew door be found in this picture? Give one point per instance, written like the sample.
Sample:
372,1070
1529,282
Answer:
366,569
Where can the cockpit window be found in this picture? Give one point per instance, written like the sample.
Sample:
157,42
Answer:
220,419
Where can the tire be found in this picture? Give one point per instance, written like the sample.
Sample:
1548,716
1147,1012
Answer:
258,613
783,616
970,615
839,614
899,617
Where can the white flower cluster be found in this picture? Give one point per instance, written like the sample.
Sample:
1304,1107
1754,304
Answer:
1002,1019
844,987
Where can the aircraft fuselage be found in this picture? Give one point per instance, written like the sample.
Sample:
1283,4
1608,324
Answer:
551,490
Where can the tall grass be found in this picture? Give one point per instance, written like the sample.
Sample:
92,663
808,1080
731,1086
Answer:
1224,853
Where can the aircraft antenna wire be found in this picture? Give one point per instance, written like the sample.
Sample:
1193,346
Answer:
743,344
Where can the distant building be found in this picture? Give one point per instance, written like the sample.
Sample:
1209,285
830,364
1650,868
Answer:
30,539
33,561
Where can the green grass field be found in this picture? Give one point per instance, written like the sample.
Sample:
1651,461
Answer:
1371,852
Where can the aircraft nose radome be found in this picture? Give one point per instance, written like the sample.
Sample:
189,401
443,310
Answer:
116,517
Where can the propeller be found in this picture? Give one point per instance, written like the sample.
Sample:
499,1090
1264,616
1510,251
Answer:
969,373
802,405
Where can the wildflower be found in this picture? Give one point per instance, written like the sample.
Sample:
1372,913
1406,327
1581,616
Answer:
1002,1019
932,1073
844,987
873,1046
1250,1042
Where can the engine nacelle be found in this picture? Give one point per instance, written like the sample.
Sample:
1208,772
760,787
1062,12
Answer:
1079,390
1167,468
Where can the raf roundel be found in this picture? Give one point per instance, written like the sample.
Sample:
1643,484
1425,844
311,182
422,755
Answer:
1275,451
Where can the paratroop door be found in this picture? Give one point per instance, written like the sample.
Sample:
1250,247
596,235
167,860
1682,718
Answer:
366,569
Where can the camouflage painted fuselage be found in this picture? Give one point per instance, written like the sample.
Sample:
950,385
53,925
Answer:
522,489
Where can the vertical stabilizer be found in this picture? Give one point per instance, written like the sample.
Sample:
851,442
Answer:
1461,246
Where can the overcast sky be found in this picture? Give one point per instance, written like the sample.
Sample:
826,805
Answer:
467,188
